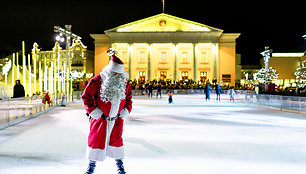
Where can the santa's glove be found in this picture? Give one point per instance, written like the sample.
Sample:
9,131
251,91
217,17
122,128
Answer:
123,113
96,113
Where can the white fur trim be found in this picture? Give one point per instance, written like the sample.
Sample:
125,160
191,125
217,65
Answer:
100,155
115,67
95,154
123,113
114,109
115,152
96,113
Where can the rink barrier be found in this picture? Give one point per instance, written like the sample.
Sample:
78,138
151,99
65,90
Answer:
16,110
188,91
283,103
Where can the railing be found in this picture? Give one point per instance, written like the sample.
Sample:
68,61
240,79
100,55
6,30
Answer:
291,103
188,91
16,110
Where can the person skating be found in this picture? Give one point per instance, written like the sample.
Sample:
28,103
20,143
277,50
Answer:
232,95
170,94
218,92
207,91
108,100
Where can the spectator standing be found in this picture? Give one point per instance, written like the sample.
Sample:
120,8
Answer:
158,90
150,88
18,90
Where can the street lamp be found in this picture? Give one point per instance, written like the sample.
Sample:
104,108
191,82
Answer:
266,55
66,34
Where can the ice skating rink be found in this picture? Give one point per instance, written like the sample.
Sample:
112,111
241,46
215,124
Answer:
188,137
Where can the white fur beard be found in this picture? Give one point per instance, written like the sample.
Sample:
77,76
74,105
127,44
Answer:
113,87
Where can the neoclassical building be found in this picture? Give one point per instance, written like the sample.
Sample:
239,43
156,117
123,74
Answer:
168,47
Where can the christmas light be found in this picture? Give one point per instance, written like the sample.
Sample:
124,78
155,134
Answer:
6,68
300,72
271,75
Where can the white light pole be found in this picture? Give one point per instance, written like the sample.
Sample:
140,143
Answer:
266,55
66,33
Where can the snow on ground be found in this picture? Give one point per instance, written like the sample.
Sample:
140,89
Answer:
189,136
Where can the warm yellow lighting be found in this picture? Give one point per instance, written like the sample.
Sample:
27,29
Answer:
163,23
287,54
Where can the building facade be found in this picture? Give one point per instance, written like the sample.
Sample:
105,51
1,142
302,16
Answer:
43,71
81,63
165,47
286,65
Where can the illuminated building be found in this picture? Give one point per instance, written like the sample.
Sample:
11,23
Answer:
44,70
285,65
167,47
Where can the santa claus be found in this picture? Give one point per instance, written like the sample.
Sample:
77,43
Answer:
108,100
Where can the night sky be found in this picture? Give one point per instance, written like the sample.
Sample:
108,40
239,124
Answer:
279,24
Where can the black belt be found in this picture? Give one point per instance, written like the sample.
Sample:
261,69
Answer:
104,117
109,118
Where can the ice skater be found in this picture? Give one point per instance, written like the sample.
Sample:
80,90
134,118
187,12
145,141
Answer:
232,95
207,91
170,94
108,100
218,92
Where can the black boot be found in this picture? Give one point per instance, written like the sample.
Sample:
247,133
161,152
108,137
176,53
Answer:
120,167
91,167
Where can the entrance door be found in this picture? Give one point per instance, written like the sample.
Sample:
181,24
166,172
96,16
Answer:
142,77
163,75
203,77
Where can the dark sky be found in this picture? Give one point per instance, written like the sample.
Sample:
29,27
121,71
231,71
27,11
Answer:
279,24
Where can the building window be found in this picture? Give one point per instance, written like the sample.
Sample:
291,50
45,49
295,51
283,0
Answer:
163,75
163,57
142,58
203,76
184,75
226,77
203,57
185,57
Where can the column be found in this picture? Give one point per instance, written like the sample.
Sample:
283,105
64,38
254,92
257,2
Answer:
34,62
45,75
30,75
175,62
215,49
13,70
17,60
149,60
24,69
130,50
40,77
195,47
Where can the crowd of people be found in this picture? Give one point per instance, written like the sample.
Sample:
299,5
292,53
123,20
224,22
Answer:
190,84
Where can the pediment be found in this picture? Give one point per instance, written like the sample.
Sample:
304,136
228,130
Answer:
164,23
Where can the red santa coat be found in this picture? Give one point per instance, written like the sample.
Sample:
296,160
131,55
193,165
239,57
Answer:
105,137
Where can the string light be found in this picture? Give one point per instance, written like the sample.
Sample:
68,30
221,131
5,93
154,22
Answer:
300,72
271,75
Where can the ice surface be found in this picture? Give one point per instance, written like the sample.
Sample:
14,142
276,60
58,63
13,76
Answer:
189,136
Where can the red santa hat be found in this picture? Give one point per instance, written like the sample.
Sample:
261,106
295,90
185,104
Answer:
115,64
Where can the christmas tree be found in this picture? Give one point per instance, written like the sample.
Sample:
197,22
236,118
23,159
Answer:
300,72
271,75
